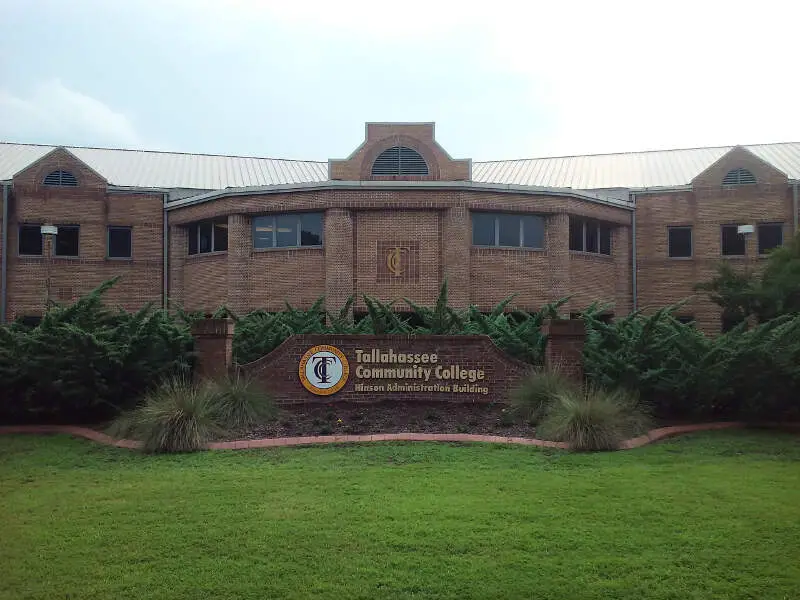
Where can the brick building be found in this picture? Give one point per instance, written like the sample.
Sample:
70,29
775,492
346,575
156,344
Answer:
392,220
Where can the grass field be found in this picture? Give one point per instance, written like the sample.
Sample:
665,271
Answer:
713,515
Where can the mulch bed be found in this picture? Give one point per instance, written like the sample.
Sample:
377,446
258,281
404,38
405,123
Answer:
341,418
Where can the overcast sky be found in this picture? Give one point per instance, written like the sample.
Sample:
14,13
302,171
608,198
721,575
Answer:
298,79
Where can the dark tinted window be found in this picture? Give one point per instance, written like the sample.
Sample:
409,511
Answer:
30,240
286,227
729,323
680,242
287,231
67,240
482,229
532,231
685,319
205,237
220,236
733,244
507,230
605,240
208,236
770,235
263,232
119,242
592,241
311,229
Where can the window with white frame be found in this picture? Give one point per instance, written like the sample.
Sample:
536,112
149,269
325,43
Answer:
292,230
507,230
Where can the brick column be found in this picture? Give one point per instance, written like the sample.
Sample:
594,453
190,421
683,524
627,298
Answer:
557,235
621,252
564,350
213,346
338,258
240,243
456,243
178,248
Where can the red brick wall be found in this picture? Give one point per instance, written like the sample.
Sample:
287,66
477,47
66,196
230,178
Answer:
436,222
92,207
663,280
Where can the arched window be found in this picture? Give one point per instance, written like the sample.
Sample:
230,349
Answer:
61,178
399,160
738,177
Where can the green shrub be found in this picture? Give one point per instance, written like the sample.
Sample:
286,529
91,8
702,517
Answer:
531,399
175,417
86,362
240,403
595,419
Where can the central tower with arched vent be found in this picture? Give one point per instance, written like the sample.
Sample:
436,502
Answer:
400,151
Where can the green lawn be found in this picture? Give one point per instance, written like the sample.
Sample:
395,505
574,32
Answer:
714,515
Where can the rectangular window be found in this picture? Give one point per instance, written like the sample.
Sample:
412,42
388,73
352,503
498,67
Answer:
685,319
292,230
680,242
208,236
507,230
605,240
30,240
576,234
587,235
119,242
67,241
729,322
733,243
770,235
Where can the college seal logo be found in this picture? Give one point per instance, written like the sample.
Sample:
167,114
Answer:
394,260
324,370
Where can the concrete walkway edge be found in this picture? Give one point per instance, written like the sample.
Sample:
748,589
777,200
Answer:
651,436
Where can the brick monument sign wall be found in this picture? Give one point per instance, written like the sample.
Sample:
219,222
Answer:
374,368
370,368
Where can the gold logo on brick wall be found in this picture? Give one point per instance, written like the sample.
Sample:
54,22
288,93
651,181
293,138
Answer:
394,260
398,261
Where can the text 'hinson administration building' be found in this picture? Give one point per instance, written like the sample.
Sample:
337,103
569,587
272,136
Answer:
392,220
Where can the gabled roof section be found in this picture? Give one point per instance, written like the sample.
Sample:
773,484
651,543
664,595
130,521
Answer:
740,157
168,170
171,170
56,156
633,170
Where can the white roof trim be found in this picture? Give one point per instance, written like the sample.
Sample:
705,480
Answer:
441,185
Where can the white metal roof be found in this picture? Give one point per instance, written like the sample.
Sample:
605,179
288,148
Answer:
147,169
635,170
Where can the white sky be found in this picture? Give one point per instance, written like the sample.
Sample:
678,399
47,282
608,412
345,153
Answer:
298,79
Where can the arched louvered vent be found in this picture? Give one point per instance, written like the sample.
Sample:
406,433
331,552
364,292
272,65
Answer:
738,177
61,178
399,160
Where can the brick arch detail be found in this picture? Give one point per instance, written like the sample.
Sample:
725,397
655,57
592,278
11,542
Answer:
400,140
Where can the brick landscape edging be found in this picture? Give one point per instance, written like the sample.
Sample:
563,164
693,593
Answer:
651,436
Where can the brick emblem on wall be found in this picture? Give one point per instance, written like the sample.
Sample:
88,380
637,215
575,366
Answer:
398,262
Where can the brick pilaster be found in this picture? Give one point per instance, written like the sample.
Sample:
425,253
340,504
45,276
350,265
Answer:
456,233
240,243
213,346
621,253
338,258
177,261
564,351
557,239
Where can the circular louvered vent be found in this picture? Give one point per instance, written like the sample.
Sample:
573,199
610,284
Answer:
399,160
61,178
738,177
